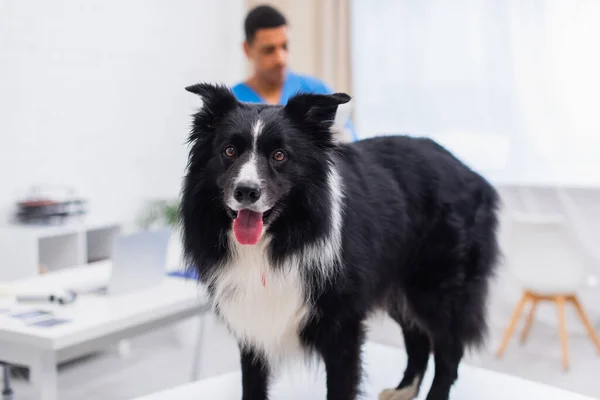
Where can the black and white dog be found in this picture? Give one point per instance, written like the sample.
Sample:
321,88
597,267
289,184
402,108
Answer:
299,239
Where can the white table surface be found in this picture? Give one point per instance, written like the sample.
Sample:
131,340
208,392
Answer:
96,320
383,368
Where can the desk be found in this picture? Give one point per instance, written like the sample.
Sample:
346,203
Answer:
384,366
96,320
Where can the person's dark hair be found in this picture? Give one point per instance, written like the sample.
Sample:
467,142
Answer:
262,17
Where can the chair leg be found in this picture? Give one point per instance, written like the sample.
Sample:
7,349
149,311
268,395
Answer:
560,303
513,324
586,321
529,322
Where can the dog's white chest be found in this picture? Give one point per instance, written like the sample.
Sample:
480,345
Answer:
263,307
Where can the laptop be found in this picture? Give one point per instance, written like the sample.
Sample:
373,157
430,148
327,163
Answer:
139,261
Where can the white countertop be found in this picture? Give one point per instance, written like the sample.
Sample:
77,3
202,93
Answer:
384,366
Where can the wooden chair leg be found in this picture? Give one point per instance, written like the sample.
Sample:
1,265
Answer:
513,324
529,322
586,321
560,303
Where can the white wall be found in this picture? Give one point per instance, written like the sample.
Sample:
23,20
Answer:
92,93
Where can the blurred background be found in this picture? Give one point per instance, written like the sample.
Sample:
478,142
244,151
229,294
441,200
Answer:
94,119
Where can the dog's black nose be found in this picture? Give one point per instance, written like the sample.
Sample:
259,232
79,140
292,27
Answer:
247,193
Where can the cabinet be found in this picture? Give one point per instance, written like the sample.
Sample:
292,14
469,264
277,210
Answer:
24,248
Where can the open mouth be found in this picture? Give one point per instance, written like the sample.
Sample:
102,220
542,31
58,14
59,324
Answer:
248,225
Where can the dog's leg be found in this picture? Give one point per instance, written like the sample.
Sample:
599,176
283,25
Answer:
417,349
341,352
448,352
255,375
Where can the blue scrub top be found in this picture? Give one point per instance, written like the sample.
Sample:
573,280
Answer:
292,85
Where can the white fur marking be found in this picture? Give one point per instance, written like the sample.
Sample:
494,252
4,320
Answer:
249,172
407,393
256,131
267,317
326,253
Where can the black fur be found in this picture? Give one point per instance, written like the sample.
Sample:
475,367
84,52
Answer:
419,235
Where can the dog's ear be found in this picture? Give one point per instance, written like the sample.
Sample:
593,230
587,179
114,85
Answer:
315,108
217,100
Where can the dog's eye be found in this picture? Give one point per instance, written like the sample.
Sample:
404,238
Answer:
279,155
230,151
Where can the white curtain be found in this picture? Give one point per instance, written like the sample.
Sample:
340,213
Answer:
512,86
556,54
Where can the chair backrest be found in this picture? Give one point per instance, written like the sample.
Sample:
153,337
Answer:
541,251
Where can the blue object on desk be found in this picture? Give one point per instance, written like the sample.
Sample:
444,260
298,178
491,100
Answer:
183,274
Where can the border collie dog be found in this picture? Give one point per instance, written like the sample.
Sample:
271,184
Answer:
298,239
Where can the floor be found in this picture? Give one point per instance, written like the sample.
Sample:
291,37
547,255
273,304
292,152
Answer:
162,359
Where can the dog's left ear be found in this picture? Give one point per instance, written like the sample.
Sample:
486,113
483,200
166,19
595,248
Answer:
315,108
217,100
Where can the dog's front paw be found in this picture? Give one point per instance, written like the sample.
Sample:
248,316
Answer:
407,393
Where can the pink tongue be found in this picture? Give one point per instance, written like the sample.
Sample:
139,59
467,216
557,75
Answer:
248,226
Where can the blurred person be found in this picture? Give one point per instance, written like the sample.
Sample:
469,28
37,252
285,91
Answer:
266,47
